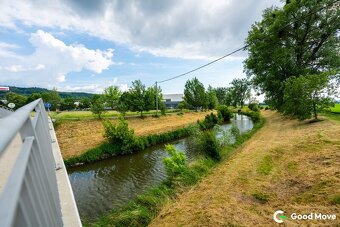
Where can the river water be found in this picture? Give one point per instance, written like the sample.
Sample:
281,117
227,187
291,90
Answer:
111,183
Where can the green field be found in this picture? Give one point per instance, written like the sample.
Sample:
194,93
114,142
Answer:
336,108
75,115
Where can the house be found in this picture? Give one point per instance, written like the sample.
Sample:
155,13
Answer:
171,101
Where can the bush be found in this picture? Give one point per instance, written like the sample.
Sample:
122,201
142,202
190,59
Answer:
120,135
253,106
209,121
235,132
267,108
210,145
255,116
176,163
225,112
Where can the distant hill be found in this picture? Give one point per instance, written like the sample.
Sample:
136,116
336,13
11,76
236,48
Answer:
30,90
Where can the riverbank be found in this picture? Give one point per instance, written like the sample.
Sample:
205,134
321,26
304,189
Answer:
76,137
140,211
287,165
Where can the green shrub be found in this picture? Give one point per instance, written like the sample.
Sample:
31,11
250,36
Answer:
267,108
176,163
120,135
210,145
235,132
225,112
255,116
253,106
209,121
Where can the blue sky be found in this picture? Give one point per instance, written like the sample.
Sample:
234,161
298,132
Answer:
86,45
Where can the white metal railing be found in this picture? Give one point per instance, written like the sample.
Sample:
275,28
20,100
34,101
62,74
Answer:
30,197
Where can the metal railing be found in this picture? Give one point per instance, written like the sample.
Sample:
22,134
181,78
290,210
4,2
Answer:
30,196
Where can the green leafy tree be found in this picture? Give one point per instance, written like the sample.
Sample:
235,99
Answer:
223,95
67,104
137,97
18,100
240,91
123,103
212,100
297,39
151,94
33,97
53,98
112,95
97,105
85,103
306,96
194,94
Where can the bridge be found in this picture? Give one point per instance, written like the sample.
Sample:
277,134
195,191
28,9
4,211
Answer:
34,185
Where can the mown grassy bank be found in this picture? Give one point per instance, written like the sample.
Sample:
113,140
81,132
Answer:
287,165
107,149
76,137
145,207
121,140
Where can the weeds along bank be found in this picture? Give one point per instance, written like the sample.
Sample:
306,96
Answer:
180,175
121,140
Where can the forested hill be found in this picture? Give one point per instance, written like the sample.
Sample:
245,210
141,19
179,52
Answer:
30,90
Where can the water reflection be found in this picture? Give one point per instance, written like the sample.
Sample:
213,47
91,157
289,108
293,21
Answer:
111,183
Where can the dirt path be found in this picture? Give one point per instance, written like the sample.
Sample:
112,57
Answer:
75,137
287,165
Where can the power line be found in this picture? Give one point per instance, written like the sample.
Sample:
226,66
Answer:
202,66
244,47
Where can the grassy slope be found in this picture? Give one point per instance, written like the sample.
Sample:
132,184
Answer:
76,137
287,165
80,115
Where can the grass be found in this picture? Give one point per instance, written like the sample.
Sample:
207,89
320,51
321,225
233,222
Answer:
76,137
79,115
142,210
336,108
287,165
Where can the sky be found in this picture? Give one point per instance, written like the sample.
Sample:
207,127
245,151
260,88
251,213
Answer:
87,45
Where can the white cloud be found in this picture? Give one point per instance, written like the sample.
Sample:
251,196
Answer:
93,87
53,60
185,29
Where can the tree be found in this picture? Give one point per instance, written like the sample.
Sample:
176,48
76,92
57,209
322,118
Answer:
298,39
123,103
97,105
212,100
67,104
111,96
151,94
305,96
194,93
33,97
53,98
85,103
141,99
240,91
18,100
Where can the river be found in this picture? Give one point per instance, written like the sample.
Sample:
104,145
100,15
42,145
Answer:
109,184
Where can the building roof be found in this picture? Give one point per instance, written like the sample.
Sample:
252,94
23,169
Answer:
173,97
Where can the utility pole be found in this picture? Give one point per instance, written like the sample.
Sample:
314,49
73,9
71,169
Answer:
156,99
